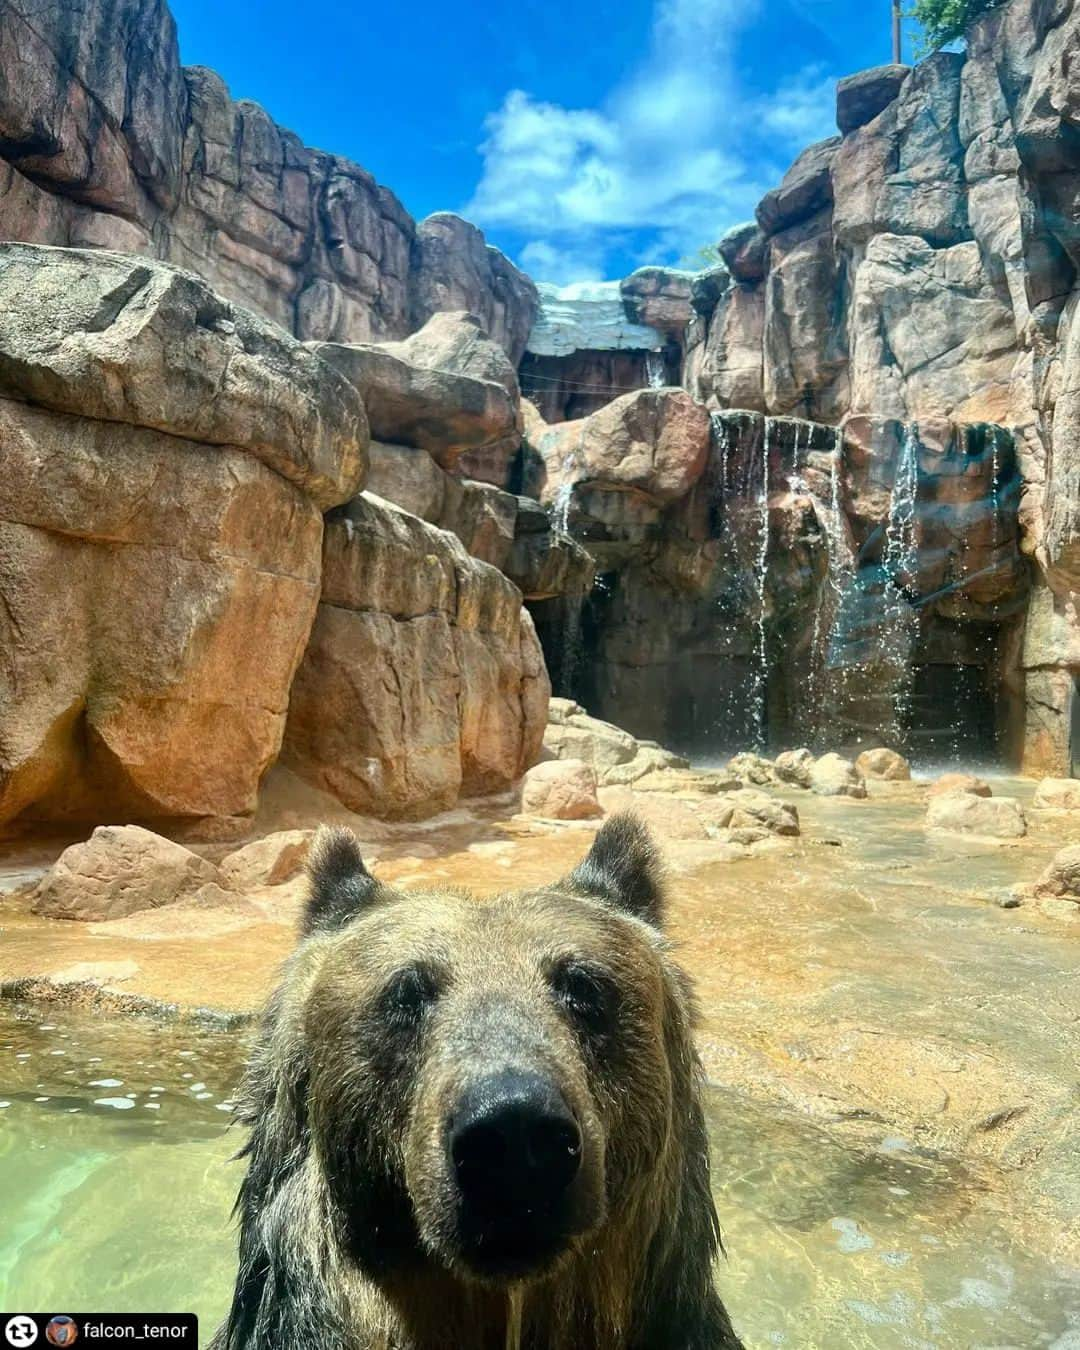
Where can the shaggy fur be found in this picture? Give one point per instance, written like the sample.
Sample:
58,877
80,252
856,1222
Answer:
392,1006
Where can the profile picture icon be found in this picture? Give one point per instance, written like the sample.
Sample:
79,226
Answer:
61,1331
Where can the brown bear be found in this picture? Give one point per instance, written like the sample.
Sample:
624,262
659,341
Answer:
476,1124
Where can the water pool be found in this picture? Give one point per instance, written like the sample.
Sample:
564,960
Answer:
117,1188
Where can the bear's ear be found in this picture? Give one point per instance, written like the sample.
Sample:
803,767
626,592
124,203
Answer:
341,886
622,869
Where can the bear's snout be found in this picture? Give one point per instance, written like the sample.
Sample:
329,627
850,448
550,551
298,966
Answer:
519,1164
513,1142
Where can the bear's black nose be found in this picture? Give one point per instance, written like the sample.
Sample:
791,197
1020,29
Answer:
513,1142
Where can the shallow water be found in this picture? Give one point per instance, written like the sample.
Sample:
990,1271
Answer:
117,1188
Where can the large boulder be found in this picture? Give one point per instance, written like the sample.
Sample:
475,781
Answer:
883,764
119,870
423,679
860,97
962,813
744,251
805,190
560,789
454,268
658,297
654,442
121,339
157,594
581,737
441,411
457,341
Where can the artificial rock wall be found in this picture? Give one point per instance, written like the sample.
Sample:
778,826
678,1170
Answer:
107,142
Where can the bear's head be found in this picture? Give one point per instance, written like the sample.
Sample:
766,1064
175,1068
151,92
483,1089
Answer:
481,1087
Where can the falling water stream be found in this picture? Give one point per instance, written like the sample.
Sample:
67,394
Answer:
655,370
761,571
900,563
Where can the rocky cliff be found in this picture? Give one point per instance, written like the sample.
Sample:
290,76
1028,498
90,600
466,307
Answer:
106,141
172,608
832,482
911,281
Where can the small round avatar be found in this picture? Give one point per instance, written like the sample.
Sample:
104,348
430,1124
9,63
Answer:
61,1330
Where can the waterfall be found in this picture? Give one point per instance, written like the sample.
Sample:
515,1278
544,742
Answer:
723,440
573,460
831,620
654,370
560,506
900,565
761,569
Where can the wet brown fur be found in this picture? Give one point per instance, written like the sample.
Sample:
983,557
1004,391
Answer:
344,1239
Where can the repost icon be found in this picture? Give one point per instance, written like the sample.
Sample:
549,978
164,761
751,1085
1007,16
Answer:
20,1331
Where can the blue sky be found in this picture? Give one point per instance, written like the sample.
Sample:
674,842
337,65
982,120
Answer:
585,138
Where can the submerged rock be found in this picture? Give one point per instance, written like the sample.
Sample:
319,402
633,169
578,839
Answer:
561,789
960,782
751,768
119,870
883,764
746,809
963,813
669,817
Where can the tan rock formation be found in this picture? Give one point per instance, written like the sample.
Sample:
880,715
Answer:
108,142
561,789
423,678
964,813
834,776
1057,794
119,870
110,337
269,861
883,764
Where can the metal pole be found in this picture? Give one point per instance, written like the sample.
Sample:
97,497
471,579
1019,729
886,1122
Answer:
897,48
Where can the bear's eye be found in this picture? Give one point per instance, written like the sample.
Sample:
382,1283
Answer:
587,994
408,994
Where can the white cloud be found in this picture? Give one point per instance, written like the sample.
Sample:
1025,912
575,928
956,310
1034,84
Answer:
675,152
562,263
804,108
